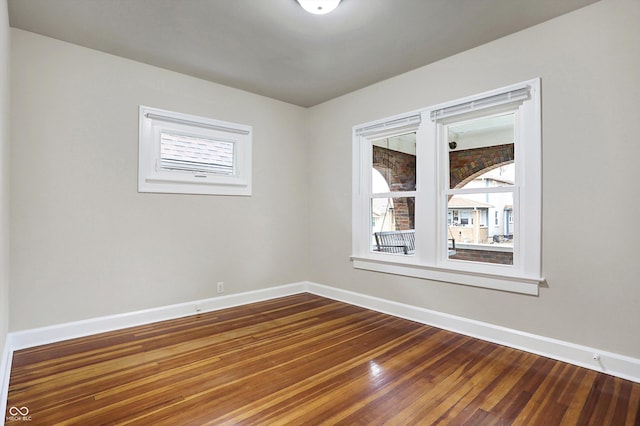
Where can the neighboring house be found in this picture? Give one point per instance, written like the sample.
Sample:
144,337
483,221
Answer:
467,220
382,215
498,207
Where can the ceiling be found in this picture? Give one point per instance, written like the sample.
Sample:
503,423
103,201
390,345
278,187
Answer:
276,49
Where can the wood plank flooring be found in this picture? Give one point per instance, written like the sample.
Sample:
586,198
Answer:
306,360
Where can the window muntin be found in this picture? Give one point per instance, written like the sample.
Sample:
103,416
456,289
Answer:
513,222
181,153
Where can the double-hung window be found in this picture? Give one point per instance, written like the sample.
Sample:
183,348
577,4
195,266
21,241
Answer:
453,192
181,153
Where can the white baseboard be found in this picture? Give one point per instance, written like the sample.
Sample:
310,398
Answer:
56,333
5,373
607,362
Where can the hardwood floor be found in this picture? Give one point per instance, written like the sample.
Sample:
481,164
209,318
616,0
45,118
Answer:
305,359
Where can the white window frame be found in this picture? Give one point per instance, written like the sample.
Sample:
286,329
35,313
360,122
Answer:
431,259
153,178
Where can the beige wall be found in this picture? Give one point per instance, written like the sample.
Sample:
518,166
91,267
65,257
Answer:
85,243
4,174
589,63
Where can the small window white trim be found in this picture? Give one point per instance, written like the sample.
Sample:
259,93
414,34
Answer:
430,260
155,176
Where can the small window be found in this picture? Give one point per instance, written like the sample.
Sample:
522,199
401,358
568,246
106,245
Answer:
180,153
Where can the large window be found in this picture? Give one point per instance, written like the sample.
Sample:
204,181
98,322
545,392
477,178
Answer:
180,153
453,192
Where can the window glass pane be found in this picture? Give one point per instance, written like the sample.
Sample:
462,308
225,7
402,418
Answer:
180,152
480,149
394,159
472,236
393,225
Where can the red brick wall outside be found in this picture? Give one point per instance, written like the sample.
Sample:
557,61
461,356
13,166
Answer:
503,258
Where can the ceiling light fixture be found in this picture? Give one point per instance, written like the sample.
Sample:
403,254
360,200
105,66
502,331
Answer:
319,7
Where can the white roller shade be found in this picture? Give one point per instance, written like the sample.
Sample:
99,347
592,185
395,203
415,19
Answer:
180,152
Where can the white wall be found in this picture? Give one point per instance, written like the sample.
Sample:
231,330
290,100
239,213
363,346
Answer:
85,243
4,176
589,62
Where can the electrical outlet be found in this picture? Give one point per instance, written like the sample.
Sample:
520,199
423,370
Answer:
220,287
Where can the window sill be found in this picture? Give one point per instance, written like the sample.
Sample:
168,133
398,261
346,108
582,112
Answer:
514,284
173,186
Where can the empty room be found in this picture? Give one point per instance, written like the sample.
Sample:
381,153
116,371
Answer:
308,212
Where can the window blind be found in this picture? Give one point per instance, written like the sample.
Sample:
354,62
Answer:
517,95
203,125
180,152
400,123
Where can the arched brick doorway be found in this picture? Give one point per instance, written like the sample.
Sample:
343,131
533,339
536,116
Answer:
468,164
